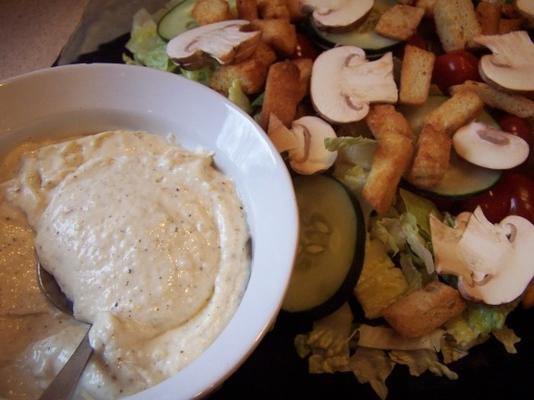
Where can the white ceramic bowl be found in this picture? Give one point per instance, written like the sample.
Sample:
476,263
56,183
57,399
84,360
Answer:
90,98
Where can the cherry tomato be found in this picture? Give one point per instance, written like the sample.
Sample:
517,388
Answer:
512,195
455,68
305,48
517,126
520,127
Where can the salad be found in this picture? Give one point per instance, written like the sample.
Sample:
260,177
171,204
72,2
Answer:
408,127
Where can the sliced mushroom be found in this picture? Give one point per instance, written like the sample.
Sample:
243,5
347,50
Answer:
313,157
344,83
492,262
336,15
511,66
489,147
226,42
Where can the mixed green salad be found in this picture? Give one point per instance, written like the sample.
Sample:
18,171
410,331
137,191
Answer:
400,210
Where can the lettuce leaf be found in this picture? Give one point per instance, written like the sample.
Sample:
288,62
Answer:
236,96
508,338
420,361
202,75
147,47
420,208
413,276
334,144
384,338
418,245
372,366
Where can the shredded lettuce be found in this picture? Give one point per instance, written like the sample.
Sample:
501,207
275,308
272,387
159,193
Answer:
420,361
384,338
372,366
202,75
417,243
420,208
236,96
389,232
508,338
476,323
413,276
258,101
334,144
147,47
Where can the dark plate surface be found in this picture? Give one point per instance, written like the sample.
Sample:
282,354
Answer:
274,371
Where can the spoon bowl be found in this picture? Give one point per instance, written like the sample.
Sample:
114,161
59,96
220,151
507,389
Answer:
63,385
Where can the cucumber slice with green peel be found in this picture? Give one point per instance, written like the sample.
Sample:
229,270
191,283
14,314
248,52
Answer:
331,247
177,20
462,178
364,36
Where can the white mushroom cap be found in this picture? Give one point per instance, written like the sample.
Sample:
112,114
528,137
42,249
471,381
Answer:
311,156
492,262
225,41
511,65
338,14
488,147
344,83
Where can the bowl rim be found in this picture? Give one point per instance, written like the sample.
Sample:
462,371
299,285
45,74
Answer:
218,372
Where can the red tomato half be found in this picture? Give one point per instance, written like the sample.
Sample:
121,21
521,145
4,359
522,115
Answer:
520,127
455,68
514,194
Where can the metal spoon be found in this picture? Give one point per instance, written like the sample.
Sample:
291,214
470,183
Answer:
63,385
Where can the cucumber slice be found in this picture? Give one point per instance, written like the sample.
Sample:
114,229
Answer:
177,20
364,36
331,247
462,179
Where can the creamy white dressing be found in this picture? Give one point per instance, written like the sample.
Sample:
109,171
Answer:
147,239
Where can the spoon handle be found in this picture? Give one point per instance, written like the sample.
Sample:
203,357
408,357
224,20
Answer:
66,380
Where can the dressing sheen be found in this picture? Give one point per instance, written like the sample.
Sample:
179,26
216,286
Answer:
147,239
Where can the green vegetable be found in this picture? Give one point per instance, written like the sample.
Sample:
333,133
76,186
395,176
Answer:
258,101
373,367
420,361
420,208
508,338
202,75
240,99
334,144
147,47
413,276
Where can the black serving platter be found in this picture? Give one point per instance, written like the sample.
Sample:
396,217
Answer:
274,370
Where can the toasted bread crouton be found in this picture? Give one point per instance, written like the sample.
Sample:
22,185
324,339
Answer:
509,11
528,297
278,33
515,104
391,158
432,156
209,11
456,112
399,22
489,15
251,73
424,310
273,9
264,53
247,9
282,93
305,69
456,23
295,10
416,73
507,25
427,5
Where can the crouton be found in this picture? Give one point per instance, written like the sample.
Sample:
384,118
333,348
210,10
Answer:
489,15
209,11
456,23
455,112
295,10
424,310
427,5
251,74
247,9
528,296
278,33
509,11
305,69
273,9
416,73
264,53
391,158
515,104
507,25
282,93
399,22
432,156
